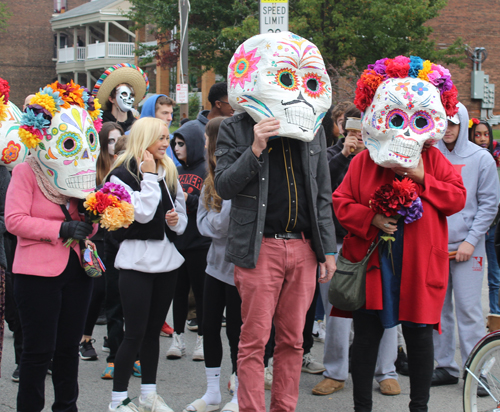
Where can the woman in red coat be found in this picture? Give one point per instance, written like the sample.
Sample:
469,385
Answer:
405,282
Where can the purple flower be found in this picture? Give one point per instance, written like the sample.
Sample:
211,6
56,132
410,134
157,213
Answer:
116,190
412,213
379,66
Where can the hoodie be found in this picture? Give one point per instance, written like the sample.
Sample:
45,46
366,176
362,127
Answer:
478,170
149,110
192,173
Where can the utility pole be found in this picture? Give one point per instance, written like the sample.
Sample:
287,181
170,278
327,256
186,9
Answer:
184,8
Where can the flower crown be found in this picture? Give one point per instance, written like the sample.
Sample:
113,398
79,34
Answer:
402,67
4,98
49,101
473,121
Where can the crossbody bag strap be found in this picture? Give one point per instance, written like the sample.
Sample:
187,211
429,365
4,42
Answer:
371,249
66,213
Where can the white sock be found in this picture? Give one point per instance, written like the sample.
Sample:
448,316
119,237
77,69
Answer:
117,398
235,395
146,389
212,395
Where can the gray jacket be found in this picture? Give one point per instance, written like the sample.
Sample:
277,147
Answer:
241,177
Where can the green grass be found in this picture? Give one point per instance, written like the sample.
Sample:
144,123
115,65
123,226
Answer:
496,135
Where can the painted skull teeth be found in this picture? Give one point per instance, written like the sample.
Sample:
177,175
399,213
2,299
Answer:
406,148
300,116
82,182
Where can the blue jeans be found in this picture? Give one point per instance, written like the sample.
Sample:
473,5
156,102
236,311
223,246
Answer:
493,271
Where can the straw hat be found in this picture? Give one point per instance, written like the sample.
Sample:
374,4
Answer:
118,74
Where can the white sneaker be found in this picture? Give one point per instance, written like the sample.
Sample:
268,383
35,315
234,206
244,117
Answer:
268,375
178,348
311,365
319,331
231,385
153,403
126,406
198,350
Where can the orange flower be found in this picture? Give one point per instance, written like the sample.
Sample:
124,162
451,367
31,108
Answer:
115,218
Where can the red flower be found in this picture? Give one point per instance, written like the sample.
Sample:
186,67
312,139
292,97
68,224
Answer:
104,201
388,199
397,67
450,101
4,89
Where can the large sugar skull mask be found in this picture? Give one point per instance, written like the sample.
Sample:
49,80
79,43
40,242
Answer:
405,113
281,75
12,150
68,154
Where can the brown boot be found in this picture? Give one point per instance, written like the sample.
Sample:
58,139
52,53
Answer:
328,386
493,323
389,387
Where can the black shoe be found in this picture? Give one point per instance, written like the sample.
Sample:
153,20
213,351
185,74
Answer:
440,377
192,324
223,323
101,320
87,351
481,392
105,345
401,363
15,375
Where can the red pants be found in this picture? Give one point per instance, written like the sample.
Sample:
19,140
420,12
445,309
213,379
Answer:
280,288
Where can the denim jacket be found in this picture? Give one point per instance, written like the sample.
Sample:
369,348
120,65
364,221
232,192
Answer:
243,178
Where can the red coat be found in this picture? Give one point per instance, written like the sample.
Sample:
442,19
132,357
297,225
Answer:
424,277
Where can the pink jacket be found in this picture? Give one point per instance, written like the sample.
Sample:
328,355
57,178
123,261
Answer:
36,222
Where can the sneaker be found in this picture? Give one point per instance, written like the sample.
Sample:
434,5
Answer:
15,374
166,330
319,331
178,348
153,403
136,369
126,406
87,351
223,323
192,324
105,345
311,365
198,350
401,363
231,385
109,372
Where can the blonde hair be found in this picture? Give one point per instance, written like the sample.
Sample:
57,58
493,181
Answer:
144,133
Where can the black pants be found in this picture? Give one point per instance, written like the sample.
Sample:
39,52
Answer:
12,317
218,295
367,334
191,274
146,298
52,311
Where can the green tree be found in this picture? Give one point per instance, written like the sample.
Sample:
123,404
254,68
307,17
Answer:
5,15
350,34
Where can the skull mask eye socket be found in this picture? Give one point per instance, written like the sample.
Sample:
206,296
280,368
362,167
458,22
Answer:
313,85
396,119
69,144
421,122
287,79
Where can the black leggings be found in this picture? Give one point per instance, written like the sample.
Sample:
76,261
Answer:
191,274
367,334
146,298
218,295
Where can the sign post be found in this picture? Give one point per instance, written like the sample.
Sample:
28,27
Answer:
273,16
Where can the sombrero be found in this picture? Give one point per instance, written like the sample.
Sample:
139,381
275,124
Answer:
121,73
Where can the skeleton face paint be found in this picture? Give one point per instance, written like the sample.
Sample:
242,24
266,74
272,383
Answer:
405,113
281,75
112,138
125,98
12,150
68,154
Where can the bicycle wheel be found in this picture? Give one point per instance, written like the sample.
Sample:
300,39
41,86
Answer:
485,363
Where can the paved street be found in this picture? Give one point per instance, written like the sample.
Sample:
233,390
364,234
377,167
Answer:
182,381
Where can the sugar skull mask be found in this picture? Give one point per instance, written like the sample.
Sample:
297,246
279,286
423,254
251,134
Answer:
405,113
281,75
12,150
405,101
125,98
61,126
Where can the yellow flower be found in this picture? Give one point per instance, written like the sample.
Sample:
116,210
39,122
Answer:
3,109
94,114
97,105
28,138
423,74
46,101
115,218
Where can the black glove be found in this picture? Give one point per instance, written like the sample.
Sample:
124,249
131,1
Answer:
75,230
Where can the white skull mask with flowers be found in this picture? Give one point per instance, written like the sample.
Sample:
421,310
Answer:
67,147
405,113
281,75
